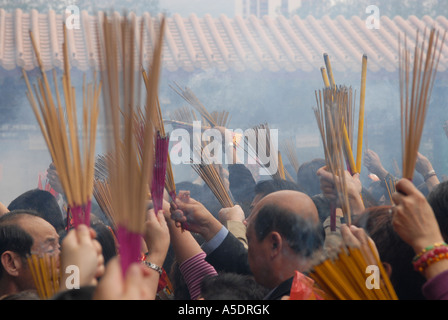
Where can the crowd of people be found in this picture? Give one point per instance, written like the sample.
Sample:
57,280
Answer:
194,249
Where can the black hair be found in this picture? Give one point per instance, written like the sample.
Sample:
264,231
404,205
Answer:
105,236
303,236
266,187
30,294
83,293
307,176
13,237
231,286
438,200
44,203
377,222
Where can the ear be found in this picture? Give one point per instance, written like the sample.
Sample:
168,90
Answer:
275,243
12,263
387,268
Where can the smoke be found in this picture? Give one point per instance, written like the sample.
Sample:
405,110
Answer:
282,99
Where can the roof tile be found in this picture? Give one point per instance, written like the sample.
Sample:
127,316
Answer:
193,43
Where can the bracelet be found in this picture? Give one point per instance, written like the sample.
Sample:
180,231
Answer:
429,248
431,257
430,174
153,266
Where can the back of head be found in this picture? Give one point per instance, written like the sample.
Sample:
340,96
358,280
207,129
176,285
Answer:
44,203
266,187
195,189
307,176
22,295
231,286
438,200
303,234
377,221
105,236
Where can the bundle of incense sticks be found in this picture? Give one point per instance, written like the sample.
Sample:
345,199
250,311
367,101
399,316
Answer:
188,95
344,277
159,174
210,174
73,154
259,142
330,120
130,172
290,150
101,192
390,186
170,184
415,93
100,169
45,273
183,114
348,126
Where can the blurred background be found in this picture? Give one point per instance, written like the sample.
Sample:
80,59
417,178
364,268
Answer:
257,59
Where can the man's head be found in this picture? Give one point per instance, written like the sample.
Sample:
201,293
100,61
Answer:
44,203
265,187
283,232
22,233
307,177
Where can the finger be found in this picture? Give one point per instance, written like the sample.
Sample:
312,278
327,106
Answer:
397,198
97,246
173,206
93,233
359,234
133,281
161,218
349,239
150,215
83,234
178,215
406,187
112,277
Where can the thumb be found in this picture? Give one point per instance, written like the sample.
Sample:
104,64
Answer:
133,280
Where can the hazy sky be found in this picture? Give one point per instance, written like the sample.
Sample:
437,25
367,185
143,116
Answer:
199,7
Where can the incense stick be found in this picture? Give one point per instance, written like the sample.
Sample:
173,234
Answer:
73,156
415,96
290,150
45,274
361,113
159,124
130,172
188,95
345,277
330,120
159,175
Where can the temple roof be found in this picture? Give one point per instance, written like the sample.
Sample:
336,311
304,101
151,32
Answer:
193,43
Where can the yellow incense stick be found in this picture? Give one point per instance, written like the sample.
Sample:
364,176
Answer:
361,113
